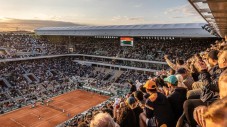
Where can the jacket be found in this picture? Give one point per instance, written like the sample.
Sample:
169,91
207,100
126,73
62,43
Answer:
176,99
210,92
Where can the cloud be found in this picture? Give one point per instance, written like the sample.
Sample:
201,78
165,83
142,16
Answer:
182,12
177,17
9,24
126,18
138,5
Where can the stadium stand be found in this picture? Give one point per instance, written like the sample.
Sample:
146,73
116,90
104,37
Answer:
178,96
146,104
26,45
145,49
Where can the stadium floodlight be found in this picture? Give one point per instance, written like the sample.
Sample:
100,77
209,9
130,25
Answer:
205,26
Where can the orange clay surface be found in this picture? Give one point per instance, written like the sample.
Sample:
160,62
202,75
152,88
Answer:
74,102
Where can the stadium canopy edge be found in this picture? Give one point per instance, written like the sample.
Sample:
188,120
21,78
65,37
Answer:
215,14
184,30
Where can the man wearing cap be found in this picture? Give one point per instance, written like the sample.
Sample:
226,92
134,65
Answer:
157,107
177,96
131,101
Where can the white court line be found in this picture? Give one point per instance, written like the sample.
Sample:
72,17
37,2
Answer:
43,113
22,114
60,114
17,122
55,116
63,100
34,114
26,113
44,120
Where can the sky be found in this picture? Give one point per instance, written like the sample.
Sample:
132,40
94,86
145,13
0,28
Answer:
24,13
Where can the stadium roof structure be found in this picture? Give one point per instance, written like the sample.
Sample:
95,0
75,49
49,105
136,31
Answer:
214,12
162,30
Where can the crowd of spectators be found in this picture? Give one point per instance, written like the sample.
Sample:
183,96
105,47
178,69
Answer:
28,81
27,45
145,49
192,93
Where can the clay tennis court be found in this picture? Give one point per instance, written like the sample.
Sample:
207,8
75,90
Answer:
74,102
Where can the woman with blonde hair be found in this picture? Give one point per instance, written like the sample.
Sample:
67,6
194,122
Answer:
103,120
